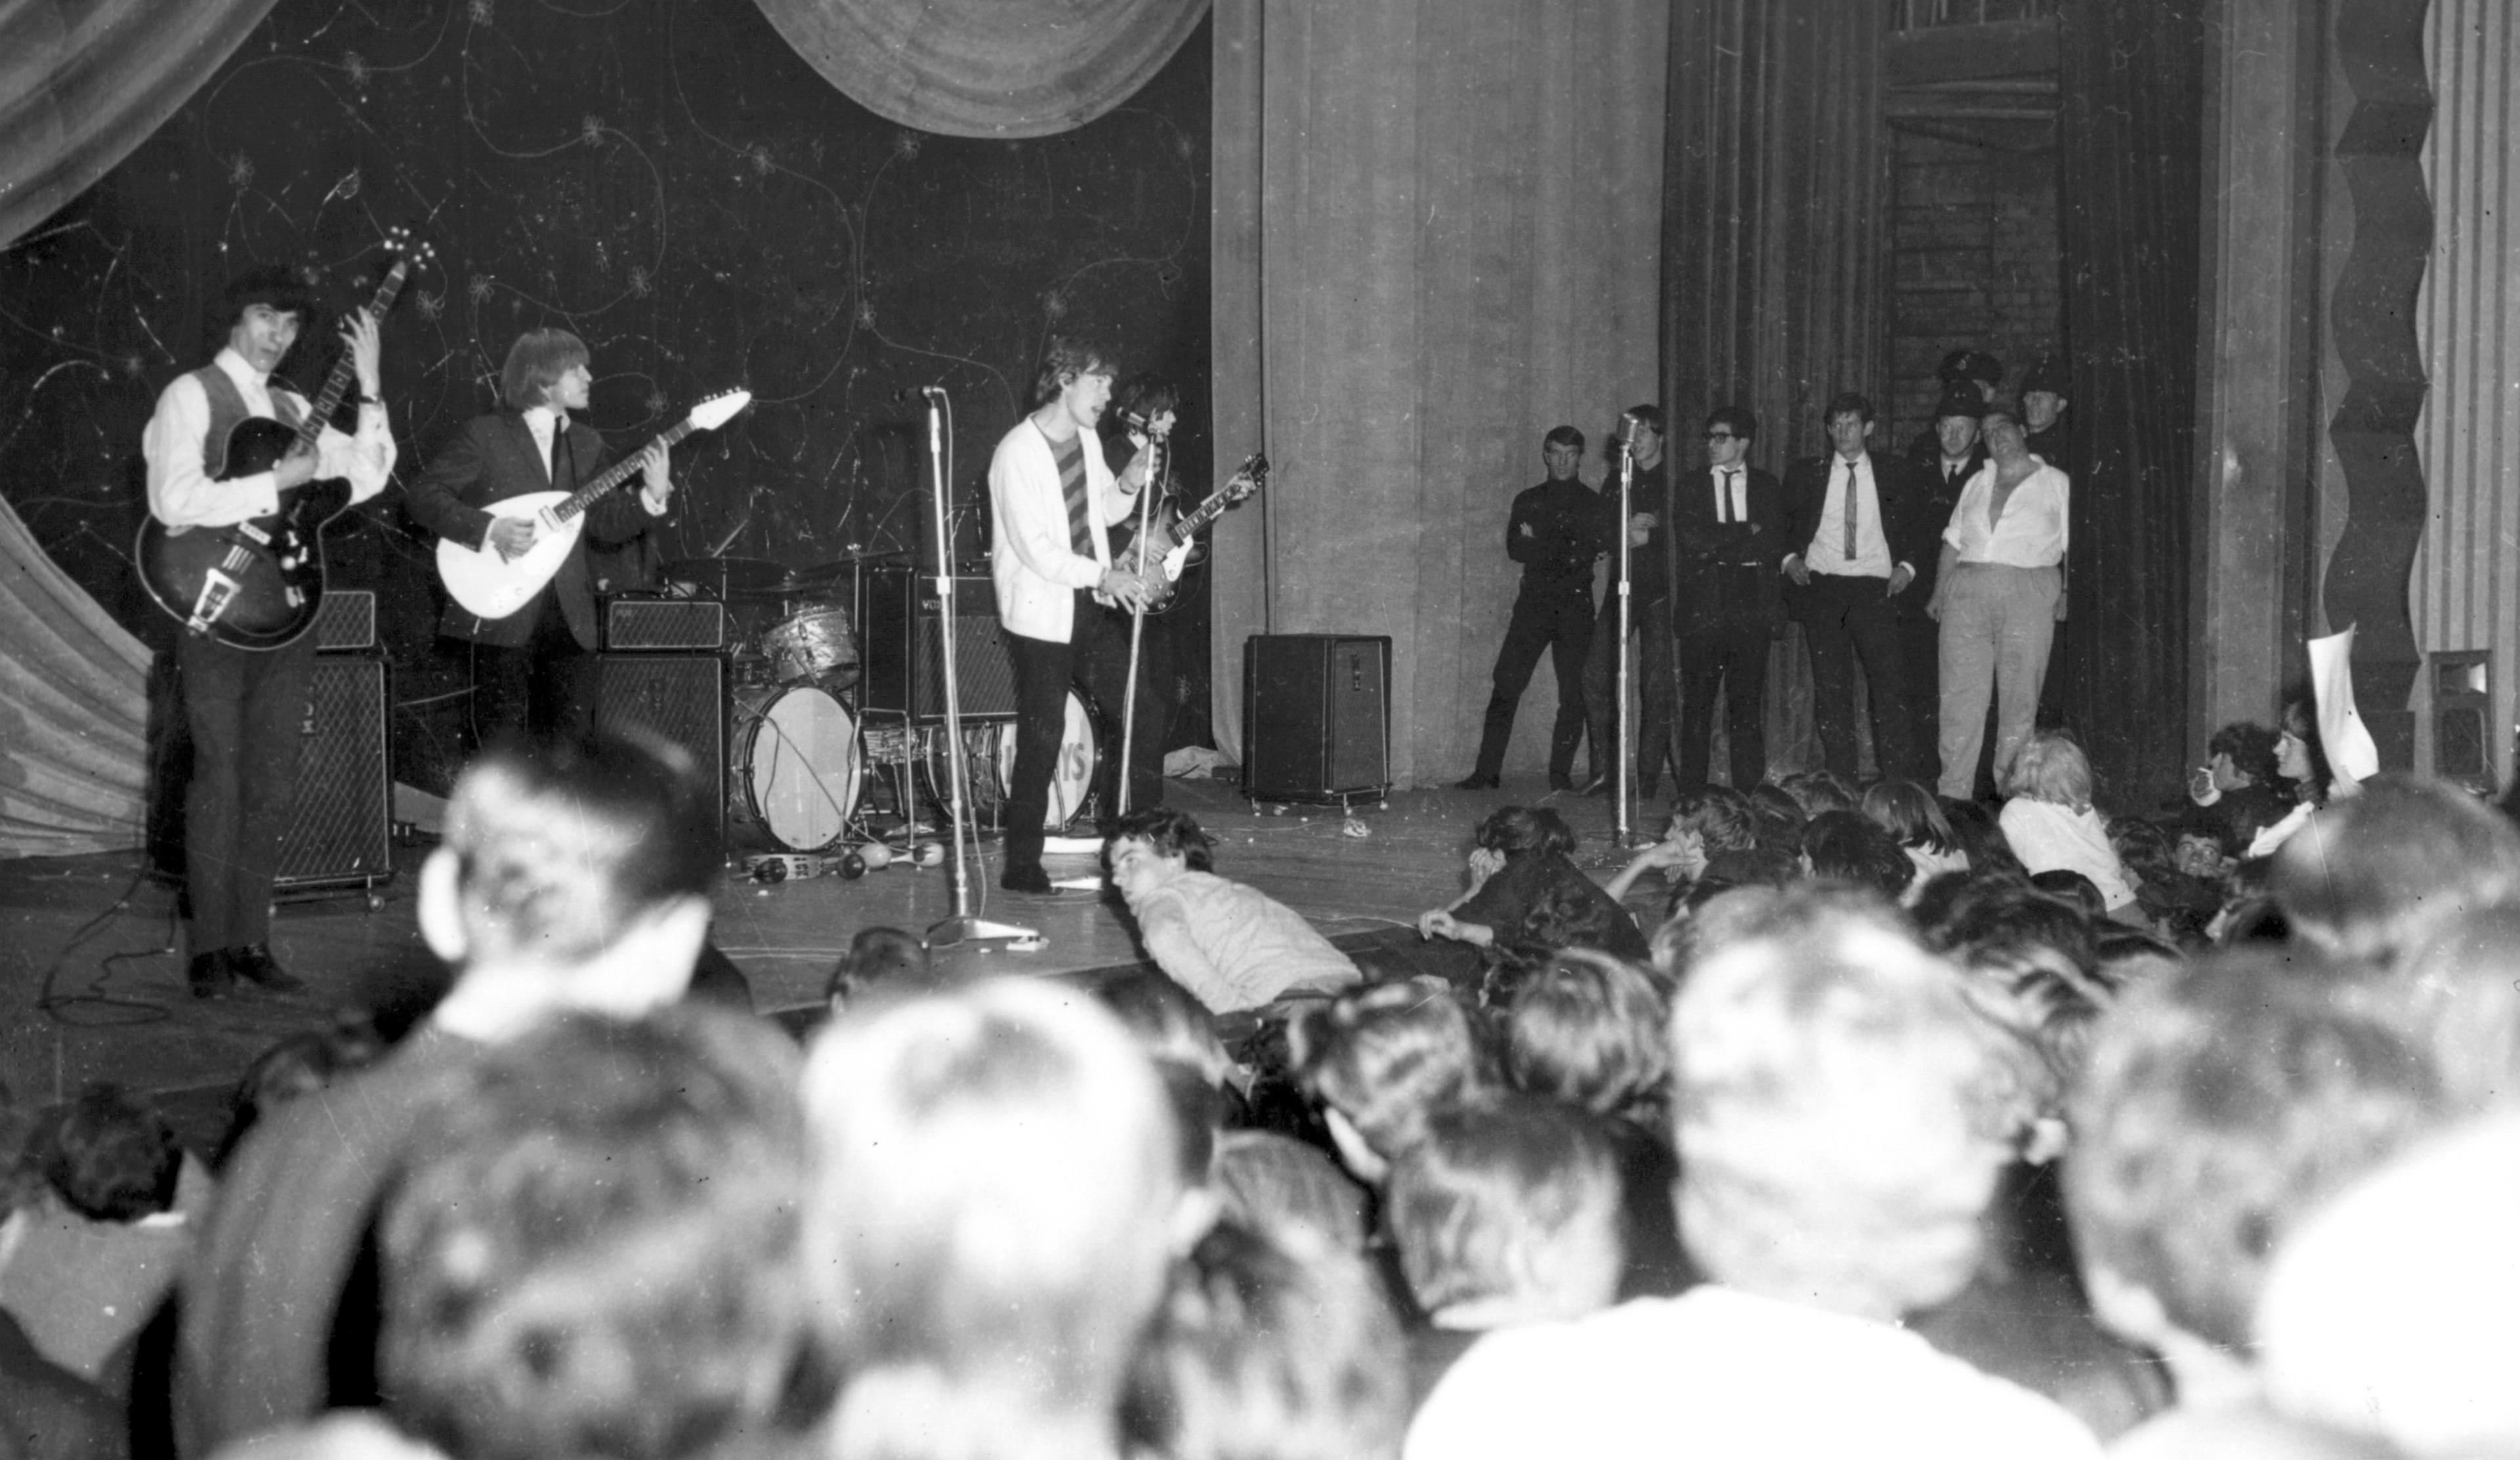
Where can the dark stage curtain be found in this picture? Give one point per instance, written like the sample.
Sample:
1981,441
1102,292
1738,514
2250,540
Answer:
2129,150
986,67
1774,246
82,82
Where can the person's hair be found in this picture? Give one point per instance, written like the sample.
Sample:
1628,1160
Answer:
1761,866
1910,813
1817,791
1780,817
2300,720
1837,1105
1512,830
1845,401
2370,875
1067,357
1980,837
2051,768
2144,847
536,363
1851,847
1267,1348
2000,411
1648,416
108,1155
2251,747
1145,396
2073,889
1563,917
878,957
593,1250
296,1066
1271,1183
562,844
1168,833
2215,1108
1721,816
274,284
993,1185
2463,1002
1990,915
1588,1031
1385,1056
1477,1207
1735,418
1563,435
1167,1021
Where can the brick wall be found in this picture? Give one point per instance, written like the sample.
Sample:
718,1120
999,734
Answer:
1975,263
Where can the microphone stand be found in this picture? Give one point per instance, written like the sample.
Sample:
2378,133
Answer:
963,926
1627,552
1138,619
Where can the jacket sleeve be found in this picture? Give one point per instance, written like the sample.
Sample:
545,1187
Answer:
1802,507
1032,519
620,515
440,499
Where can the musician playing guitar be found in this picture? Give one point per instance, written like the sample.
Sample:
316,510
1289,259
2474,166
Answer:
243,707
532,669
1139,426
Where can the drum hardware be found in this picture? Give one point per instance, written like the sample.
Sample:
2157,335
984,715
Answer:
813,644
725,577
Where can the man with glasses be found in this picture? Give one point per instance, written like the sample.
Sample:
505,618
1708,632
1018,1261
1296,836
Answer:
1554,530
1727,523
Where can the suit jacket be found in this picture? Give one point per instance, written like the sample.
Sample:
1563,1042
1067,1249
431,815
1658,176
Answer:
1906,515
1728,571
493,459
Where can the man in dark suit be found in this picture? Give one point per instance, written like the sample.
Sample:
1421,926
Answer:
1948,456
1728,525
532,669
1856,523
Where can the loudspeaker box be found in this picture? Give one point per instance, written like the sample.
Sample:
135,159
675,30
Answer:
904,671
681,698
340,826
1316,717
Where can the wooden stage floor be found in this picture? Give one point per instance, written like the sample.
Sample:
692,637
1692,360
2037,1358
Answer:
92,982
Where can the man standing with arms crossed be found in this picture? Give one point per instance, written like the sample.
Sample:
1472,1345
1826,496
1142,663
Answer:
1554,531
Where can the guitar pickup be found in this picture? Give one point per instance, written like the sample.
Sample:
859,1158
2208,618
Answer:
260,537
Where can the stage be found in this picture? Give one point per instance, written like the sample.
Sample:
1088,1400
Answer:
92,977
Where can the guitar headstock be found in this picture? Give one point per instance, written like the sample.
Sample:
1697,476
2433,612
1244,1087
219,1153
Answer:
1253,475
718,410
408,247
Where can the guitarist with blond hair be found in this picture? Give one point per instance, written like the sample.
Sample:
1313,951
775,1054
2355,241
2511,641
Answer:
532,669
243,705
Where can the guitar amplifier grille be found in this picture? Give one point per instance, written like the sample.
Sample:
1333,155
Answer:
340,826
345,621
633,624
681,698
905,649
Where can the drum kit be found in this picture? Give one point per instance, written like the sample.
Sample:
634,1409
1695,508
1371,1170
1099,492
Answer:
808,768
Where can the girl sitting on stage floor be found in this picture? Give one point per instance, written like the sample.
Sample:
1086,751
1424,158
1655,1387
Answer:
1523,854
1231,945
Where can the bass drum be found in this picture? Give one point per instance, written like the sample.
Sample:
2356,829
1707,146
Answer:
1079,766
794,766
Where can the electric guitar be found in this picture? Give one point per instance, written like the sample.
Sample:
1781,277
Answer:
494,587
1169,545
257,584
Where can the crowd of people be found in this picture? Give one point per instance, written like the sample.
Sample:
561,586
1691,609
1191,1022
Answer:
1903,1129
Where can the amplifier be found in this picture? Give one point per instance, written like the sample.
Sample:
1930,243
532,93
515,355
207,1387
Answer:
1316,716
346,622
904,669
681,698
637,623
341,824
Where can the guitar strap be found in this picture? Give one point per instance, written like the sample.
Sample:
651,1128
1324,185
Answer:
228,411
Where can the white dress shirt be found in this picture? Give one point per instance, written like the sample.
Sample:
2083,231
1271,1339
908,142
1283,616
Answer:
1826,552
2032,529
181,493
1737,507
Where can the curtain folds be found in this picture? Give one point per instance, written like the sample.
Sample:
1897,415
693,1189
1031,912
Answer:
986,67
82,82
2131,140
73,729
1435,239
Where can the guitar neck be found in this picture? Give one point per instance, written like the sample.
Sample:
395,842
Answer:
339,382
616,474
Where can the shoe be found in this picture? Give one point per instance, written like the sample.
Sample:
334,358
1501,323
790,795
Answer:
1032,879
1599,785
210,975
1475,782
255,964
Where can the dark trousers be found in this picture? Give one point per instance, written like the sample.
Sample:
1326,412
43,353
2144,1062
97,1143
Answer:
1846,620
1654,688
1920,646
248,713
544,687
1730,653
1044,671
1558,621
1102,663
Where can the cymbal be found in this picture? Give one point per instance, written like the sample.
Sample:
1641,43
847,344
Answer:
729,576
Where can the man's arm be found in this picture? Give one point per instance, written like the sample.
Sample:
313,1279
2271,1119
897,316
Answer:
1164,928
1522,541
437,501
181,493
1032,518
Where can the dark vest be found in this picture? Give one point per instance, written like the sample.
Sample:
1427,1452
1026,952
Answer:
228,411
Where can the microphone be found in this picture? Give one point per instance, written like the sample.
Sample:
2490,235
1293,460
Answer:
921,392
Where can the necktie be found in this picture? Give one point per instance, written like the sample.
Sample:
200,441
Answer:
1723,496
560,443
1850,547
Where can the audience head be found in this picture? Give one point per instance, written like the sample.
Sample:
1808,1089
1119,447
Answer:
2301,756
993,1205
2371,874
1168,1022
879,959
536,363
1910,815
108,1155
580,865
593,1251
1380,1059
2461,991
1780,817
1523,830
1848,846
1272,1184
1817,791
1839,1111
1268,1349
1721,816
2215,1108
1510,1211
2072,889
1588,1031
1560,918
297,1066
1981,837
2242,753
2051,768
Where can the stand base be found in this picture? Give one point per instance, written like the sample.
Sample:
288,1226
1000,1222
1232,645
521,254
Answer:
965,928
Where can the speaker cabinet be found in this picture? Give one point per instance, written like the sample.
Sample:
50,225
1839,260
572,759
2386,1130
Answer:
644,623
680,697
2463,705
340,827
1316,717
904,669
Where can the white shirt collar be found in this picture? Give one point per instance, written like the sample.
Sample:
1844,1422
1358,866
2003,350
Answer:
239,371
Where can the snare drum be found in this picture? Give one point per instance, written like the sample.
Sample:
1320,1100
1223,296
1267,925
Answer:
1079,768
794,765
811,642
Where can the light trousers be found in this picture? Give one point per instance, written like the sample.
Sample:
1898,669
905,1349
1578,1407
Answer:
1999,624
